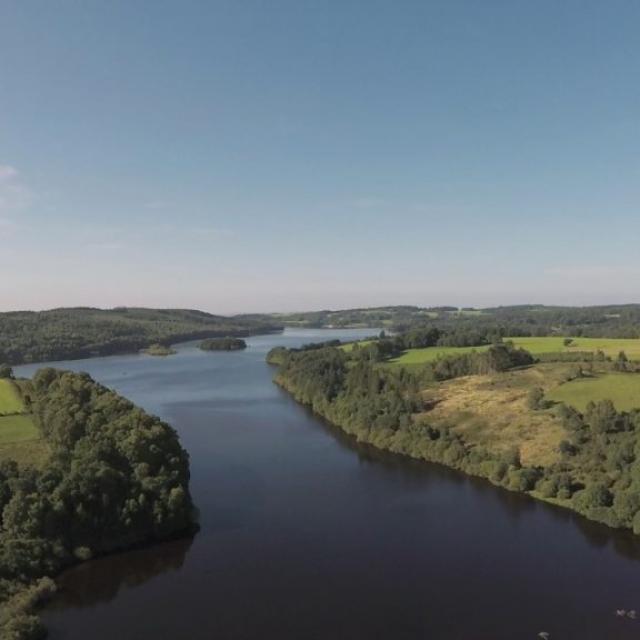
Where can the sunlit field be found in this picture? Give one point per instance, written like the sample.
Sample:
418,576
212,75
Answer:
10,400
535,346
623,389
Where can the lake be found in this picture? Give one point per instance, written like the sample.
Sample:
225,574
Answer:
306,535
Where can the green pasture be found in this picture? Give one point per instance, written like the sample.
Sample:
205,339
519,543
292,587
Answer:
623,389
535,346
20,439
421,356
10,400
17,428
610,346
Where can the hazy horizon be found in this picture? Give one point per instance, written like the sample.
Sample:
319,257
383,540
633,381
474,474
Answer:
328,308
244,157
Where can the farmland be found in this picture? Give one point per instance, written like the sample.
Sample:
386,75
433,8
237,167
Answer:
536,346
10,400
623,389
610,346
18,428
429,354
20,439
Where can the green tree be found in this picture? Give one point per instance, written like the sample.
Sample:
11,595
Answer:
6,371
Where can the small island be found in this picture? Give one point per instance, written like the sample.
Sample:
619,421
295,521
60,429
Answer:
158,349
223,344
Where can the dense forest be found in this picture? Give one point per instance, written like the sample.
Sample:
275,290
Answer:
30,336
597,468
612,321
115,477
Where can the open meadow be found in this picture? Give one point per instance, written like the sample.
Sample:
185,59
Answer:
536,346
17,428
10,399
429,354
20,439
609,346
492,411
623,389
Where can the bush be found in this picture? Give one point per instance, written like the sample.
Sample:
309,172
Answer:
627,505
535,399
5,371
596,495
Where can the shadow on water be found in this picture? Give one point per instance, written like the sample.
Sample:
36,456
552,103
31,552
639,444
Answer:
515,505
102,579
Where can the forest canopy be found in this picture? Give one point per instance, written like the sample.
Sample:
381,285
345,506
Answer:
59,334
115,477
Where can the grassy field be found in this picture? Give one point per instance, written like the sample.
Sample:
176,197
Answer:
18,428
33,453
610,346
10,400
20,439
420,356
535,346
623,389
492,411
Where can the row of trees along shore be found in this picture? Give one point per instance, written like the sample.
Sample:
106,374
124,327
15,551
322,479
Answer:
598,474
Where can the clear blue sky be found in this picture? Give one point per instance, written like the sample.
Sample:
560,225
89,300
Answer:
256,156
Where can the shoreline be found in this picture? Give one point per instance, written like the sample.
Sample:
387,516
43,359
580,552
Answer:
140,350
535,495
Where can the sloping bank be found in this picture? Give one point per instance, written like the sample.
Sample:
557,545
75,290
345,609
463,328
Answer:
598,474
115,477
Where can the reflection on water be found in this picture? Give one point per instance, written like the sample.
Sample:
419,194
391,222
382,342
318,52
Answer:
101,580
514,504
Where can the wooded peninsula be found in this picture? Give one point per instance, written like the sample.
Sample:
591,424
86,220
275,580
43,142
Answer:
553,416
83,472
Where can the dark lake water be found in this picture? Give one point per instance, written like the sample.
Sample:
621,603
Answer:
306,535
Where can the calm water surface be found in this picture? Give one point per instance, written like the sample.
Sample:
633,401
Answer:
307,536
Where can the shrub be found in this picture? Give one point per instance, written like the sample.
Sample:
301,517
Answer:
535,399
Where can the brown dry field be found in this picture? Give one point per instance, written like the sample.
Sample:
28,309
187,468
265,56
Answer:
492,411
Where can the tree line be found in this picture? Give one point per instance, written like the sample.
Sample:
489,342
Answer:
116,477
606,321
59,334
598,474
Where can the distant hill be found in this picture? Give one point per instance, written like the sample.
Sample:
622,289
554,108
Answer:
81,332
614,321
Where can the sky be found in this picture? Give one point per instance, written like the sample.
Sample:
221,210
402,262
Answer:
296,154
